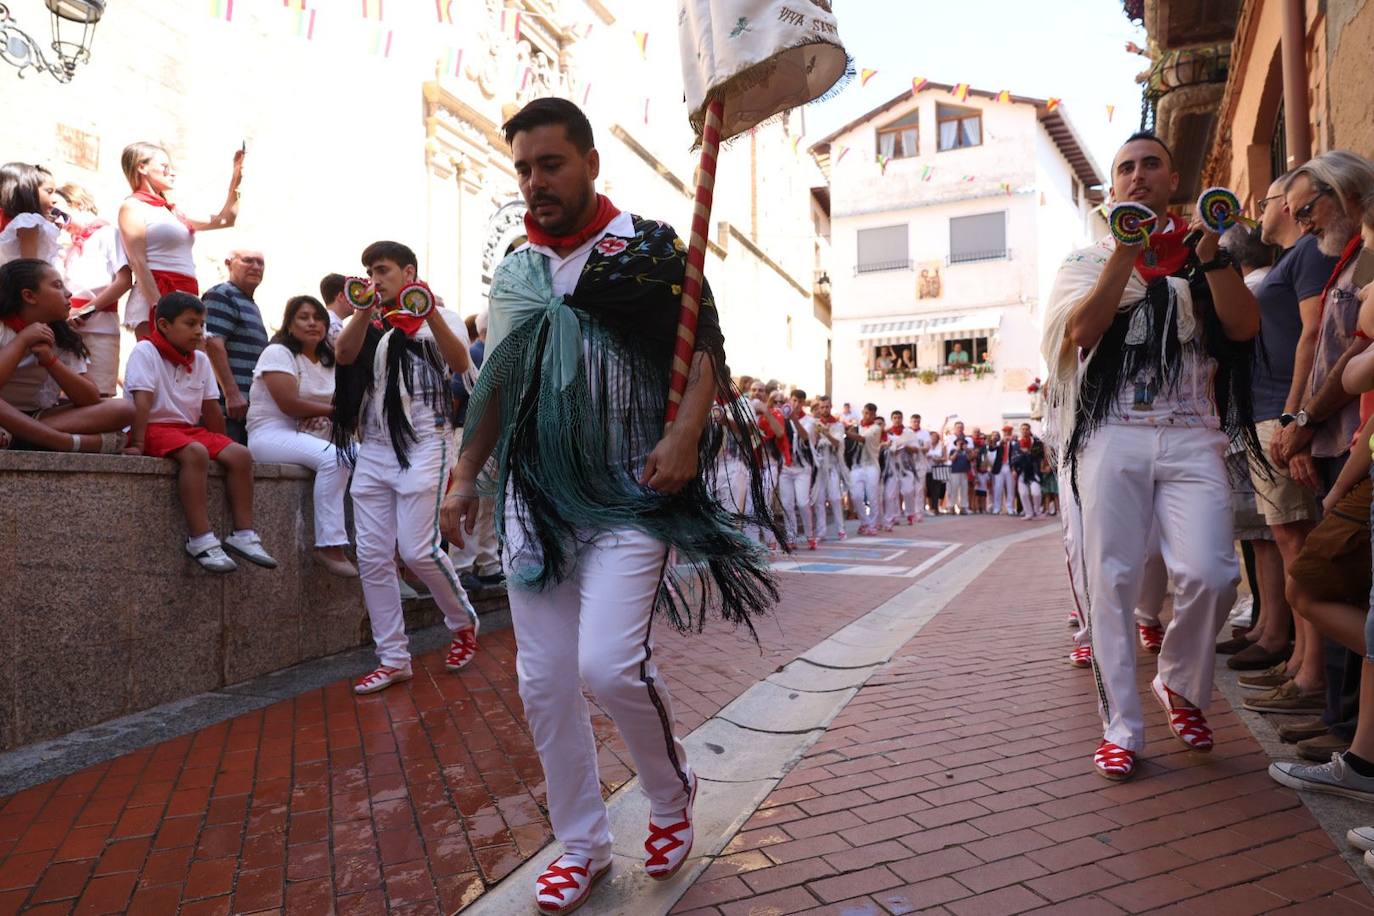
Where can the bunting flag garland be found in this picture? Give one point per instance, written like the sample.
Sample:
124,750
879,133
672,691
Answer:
444,10
525,78
295,6
304,22
796,142
586,95
642,39
372,9
882,164
1111,110
1051,104
1004,96
960,92
926,172
918,83
1006,188
865,75
381,43
969,178
222,9
843,151
510,24
453,62
646,111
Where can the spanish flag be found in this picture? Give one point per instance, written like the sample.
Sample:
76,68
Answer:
444,10
372,9
918,84
1051,104
642,39
960,92
865,75
1004,96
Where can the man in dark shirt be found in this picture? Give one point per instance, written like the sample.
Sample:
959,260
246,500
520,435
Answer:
235,335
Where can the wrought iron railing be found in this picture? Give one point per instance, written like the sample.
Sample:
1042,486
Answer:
873,267
973,257
1179,69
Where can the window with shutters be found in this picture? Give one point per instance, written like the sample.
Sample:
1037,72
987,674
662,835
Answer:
884,248
978,238
899,140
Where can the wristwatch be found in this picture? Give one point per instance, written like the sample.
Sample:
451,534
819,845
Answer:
1285,419
1301,418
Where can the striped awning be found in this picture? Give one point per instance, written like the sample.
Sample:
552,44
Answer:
941,327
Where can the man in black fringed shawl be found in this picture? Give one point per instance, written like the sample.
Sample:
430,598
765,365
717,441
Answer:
1149,350
604,518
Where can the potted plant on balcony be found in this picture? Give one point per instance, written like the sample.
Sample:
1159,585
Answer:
928,376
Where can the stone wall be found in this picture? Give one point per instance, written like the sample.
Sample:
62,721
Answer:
102,613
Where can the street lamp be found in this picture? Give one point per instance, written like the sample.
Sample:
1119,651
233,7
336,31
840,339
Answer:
21,51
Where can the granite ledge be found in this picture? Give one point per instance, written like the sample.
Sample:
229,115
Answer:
79,463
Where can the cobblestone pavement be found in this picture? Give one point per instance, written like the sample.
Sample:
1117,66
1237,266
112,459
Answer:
957,778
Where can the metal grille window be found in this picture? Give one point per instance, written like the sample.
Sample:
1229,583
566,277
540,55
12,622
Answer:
978,238
882,249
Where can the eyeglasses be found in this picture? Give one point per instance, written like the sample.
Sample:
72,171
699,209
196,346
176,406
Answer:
1264,202
1303,215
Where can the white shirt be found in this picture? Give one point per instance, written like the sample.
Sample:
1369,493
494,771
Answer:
167,246
88,273
920,438
565,271
314,380
31,387
422,417
177,394
335,328
48,246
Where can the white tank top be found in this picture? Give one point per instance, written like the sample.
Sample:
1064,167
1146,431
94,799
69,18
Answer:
168,241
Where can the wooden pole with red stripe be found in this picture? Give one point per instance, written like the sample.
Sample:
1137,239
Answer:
696,258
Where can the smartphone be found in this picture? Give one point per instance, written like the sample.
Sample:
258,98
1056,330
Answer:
82,313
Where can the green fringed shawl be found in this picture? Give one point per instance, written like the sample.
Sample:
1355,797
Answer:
581,385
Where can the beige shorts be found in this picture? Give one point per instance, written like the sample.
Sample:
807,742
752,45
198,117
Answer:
1281,500
104,367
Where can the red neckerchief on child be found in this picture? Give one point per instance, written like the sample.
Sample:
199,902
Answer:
170,353
865,424
605,212
15,323
896,431
157,200
1352,248
1166,254
79,237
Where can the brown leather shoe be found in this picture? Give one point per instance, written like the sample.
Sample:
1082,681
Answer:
1289,700
1233,645
1256,658
1271,678
1321,748
1302,729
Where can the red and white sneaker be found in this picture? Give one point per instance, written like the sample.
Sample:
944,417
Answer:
567,882
1081,657
811,543
462,649
1074,623
1151,637
1186,722
668,846
381,679
1113,762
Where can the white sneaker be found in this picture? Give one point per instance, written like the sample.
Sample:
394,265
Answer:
249,546
1361,837
214,559
381,679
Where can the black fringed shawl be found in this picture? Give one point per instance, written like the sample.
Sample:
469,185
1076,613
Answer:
581,386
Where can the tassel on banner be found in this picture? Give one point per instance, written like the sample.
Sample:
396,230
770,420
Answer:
918,83
443,9
865,75
222,9
642,39
960,92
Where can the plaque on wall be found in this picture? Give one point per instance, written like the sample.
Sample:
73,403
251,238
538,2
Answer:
928,280
78,147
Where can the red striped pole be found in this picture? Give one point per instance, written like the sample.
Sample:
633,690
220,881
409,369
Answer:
696,258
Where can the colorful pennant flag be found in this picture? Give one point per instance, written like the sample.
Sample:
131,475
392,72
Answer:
865,75
960,92
372,9
1051,103
444,10
642,39
1111,110
882,164
646,110
796,142
304,22
584,31
967,178
1006,188
926,173
918,83
510,24
294,5
1004,96
453,63
586,95
844,150
381,43
525,78
222,9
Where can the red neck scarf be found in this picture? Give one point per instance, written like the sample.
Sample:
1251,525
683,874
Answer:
896,431
1166,253
605,212
157,200
79,237
1352,248
15,323
170,353
4,220
865,424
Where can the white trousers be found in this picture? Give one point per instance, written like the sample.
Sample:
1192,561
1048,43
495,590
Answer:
1131,477
827,487
732,483
1002,499
287,446
593,629
794,492
865,496
1030,498
399,509
956,496
899,490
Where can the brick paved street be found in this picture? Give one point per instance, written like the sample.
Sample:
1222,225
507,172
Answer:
957,778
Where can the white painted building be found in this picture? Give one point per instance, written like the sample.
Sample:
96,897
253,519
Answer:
948,219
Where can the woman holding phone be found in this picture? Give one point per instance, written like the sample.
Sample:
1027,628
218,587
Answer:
97,275
158,237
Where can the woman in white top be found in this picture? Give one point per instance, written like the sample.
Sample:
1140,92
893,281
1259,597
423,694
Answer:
28,228
97,275
293,390
157,236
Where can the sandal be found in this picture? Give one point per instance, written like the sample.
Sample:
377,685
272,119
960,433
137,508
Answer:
1081,657
1186,722
1114,762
